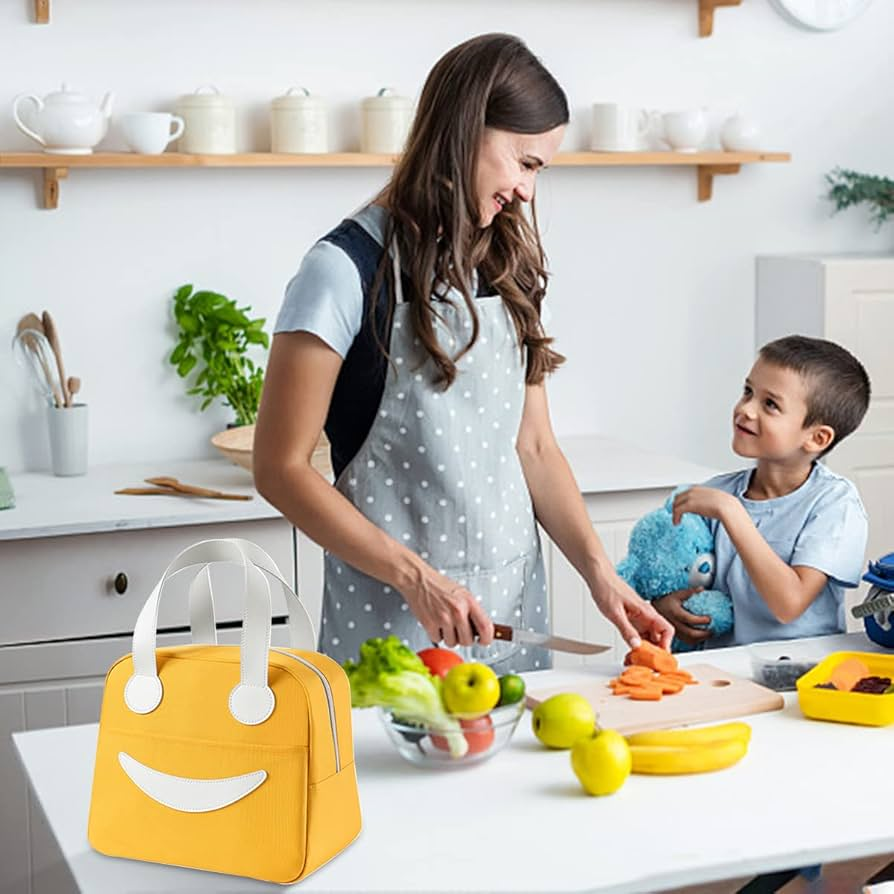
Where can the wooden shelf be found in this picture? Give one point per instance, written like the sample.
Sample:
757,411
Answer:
705,13
56,167
706,10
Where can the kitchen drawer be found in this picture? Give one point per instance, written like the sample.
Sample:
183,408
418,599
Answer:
56,588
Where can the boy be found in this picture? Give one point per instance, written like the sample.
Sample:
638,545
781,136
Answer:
789,534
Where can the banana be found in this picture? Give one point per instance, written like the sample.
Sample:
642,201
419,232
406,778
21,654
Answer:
667,760
702,735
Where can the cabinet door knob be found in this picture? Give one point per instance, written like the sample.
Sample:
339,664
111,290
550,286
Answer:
120,583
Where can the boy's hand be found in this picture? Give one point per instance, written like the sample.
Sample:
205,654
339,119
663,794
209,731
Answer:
690,628
705,501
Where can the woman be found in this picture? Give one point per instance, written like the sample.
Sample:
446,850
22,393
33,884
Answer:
426,362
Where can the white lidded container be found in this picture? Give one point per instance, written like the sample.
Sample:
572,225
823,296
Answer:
298,122
386,122
210,120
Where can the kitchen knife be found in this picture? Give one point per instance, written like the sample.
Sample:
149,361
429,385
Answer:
547,641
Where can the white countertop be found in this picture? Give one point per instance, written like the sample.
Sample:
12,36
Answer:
520,821
48,506
606,465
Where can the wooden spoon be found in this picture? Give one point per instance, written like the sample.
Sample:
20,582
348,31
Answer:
32,321
49,327
74,386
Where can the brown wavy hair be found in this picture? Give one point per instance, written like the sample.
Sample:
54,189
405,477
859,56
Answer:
490,81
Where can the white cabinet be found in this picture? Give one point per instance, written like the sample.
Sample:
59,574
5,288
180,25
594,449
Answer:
849,300
63,622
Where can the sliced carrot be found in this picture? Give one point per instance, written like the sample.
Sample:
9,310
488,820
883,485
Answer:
669,687
649,655
641,694
678,672
644,674
620,689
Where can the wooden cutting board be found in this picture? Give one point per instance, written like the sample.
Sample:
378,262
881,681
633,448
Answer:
717,696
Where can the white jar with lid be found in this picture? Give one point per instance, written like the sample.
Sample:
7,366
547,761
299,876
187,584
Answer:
386,122
210,122
298,122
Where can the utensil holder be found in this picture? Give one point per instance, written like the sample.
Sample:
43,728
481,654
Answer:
68,439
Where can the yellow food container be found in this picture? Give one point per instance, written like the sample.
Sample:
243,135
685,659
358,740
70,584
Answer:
864,708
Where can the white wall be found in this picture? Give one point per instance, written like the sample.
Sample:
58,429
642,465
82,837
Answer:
652,295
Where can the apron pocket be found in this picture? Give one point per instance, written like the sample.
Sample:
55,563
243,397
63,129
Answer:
502,592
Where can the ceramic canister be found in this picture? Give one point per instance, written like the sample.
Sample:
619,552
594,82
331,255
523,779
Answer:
210,120
298,122
386,122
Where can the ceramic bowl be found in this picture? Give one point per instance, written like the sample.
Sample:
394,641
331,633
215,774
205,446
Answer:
236,444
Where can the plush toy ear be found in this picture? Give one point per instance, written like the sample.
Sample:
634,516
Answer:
669,502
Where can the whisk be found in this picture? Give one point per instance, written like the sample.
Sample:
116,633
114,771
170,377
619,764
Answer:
33,353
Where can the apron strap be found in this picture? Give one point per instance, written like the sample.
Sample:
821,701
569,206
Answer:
395,266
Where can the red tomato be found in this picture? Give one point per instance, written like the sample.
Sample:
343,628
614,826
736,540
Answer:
439,661
479,733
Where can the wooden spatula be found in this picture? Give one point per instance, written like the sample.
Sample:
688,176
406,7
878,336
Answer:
49,328
194,490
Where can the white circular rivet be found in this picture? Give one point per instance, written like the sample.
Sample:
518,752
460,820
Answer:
251,705
142,694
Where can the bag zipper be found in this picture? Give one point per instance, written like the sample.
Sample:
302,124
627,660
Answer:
329,698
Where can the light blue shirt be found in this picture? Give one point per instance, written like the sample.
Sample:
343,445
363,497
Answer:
325,296
822,525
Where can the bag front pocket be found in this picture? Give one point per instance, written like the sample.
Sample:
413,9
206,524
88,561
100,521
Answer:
233,808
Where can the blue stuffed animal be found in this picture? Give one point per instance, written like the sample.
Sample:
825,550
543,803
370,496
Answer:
663,557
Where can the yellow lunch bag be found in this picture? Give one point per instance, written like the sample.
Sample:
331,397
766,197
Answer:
234,759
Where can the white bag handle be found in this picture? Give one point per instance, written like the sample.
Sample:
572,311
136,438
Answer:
201,601
251,701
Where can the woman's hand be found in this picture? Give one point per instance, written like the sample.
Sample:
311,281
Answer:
631,614
448,611
689,627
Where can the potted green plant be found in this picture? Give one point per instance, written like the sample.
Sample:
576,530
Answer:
213,339
847,188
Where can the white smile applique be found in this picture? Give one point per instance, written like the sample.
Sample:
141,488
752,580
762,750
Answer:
189,795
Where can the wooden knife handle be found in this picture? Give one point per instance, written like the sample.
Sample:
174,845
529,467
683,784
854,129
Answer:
503,631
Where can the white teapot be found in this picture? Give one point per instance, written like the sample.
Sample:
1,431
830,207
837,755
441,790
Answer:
66,122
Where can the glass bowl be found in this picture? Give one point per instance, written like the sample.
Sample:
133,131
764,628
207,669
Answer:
779,664
427,746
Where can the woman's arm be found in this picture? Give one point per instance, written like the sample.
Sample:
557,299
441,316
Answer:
560,509
300,378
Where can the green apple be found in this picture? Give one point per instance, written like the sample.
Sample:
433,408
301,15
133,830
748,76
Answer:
470,688
563,719
601,761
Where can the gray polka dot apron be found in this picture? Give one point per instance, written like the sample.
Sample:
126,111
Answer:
439,472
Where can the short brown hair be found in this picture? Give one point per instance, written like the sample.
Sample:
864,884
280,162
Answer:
838,388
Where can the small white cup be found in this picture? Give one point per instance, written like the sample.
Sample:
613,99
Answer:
68,439
150,132
617,128
684,131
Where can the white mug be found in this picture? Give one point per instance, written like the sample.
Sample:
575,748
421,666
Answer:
684,131
616,128
150,132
